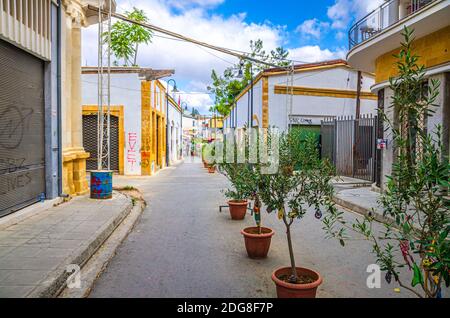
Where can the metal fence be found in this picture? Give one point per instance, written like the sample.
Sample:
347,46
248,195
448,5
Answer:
350,144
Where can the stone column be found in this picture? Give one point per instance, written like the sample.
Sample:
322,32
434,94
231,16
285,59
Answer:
74,156
79,164
76,107
387,155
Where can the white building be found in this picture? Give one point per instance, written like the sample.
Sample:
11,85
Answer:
319,91
175,131
139,109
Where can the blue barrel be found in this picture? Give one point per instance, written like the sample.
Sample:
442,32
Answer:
101,184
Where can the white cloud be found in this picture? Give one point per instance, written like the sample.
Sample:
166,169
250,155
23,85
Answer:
312,27
193,64
342,12
313,53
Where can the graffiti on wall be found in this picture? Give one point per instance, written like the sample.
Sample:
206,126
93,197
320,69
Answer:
14,122
132,149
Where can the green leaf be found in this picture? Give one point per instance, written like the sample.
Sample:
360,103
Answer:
418,276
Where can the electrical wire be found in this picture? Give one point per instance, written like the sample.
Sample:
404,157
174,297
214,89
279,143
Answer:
234,50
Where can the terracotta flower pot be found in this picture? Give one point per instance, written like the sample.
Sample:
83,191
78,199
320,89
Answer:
238,209
257,245
211,169
289,290
205,165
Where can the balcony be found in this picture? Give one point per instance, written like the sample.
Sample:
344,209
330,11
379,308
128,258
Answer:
389,13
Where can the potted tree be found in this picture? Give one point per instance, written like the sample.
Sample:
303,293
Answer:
244,179
241,188
415,202
208,154
257,238
292,193
204,149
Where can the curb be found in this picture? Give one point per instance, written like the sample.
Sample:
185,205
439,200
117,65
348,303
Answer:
56,281
362,210
95,266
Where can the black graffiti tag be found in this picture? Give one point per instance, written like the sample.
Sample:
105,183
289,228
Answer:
12,126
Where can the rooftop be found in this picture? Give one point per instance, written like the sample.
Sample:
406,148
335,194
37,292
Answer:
148,74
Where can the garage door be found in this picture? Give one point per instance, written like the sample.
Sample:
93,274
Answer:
22,178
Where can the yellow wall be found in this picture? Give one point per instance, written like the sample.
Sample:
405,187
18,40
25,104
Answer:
324,92
153,126
216,122
265,102
433,49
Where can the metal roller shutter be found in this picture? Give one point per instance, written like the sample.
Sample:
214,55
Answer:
90,141
22,175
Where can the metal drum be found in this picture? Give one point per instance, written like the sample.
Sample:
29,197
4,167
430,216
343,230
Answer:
101,184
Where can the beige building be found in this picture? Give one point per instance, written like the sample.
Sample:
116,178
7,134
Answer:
74,156
376,38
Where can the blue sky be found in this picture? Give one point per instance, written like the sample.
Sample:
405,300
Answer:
290,13
312,31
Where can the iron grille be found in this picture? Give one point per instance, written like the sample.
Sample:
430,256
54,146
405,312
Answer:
350,144
90,141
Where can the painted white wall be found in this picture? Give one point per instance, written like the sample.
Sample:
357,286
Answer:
174,133
125,91
308,109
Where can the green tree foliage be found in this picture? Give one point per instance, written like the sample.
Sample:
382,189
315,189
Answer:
126,37
288,192
416,196
293,193
226,87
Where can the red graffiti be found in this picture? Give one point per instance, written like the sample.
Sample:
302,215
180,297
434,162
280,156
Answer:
131,151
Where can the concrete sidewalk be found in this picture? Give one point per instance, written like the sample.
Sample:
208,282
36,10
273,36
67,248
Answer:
35,251
362,200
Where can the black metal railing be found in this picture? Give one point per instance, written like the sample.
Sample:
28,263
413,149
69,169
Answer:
383,17
350,144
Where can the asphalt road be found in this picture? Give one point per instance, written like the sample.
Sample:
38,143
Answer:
183,247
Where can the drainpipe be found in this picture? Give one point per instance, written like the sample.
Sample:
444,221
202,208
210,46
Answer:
167,127
59,97
251,95
181,141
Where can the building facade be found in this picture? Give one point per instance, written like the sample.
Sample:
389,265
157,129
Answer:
174,131
139,109
316,91
41,153
375,39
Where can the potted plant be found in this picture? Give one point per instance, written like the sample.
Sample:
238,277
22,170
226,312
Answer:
241,188
416,201
292,193
209,155
257,238
205,165
244,180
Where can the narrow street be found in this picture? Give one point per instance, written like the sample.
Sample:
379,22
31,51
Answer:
183,247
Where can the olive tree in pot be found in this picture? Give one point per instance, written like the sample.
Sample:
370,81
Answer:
257,238
416,201
205,164
209,153
300,185
241,189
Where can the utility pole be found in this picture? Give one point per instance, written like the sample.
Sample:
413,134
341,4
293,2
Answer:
356,125
358,96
